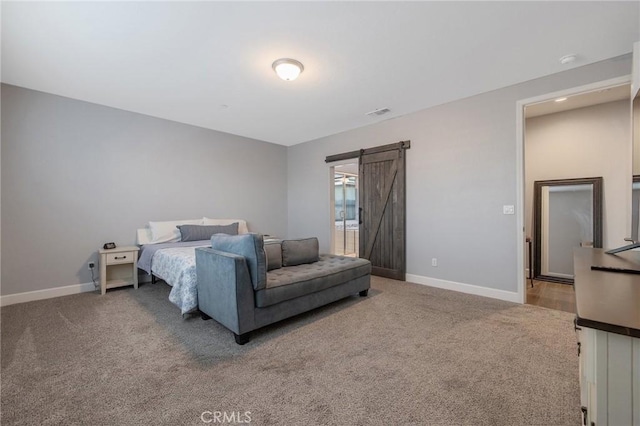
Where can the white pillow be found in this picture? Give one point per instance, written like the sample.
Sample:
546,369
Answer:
242,224
166,232
143,236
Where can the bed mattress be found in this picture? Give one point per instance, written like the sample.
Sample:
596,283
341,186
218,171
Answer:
175,263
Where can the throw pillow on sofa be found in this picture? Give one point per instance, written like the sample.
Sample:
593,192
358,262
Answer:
251,247
273,251
300,251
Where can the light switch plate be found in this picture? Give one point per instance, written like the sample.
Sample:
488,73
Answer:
508,210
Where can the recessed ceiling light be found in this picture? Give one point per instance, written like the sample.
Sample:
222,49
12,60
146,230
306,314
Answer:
287,69
560,100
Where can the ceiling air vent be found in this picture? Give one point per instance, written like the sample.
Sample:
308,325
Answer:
380,111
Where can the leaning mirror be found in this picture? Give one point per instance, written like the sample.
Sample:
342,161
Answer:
567,214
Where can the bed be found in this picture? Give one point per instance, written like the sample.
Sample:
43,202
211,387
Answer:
164,255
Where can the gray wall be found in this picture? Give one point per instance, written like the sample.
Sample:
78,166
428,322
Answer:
75,175
461,170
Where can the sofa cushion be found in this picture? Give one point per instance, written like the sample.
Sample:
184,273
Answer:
273,250
251,246
204,232
298,252
295,281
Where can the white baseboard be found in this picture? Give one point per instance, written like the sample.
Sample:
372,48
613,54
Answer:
509,296
558,275
29,296
12,299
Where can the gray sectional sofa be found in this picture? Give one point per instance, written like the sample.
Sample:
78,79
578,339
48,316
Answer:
245,284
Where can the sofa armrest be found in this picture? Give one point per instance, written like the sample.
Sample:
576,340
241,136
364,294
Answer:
225,291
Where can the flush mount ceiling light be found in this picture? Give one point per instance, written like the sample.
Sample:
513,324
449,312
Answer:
287,69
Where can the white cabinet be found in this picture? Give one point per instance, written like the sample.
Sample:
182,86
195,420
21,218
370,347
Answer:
608,325
609,378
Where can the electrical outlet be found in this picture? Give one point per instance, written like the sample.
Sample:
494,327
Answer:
91,265
434,262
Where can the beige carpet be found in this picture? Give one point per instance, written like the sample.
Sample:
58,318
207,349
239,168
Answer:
405,355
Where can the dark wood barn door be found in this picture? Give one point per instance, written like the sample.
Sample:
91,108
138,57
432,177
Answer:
382,205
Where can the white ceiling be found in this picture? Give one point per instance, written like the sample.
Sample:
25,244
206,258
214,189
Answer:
209,63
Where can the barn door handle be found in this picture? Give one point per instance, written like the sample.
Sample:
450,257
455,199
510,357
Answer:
359,215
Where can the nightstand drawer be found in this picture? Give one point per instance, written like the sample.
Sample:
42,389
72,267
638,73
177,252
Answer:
123,257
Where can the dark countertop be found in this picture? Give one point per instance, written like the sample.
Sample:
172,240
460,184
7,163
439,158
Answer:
608,301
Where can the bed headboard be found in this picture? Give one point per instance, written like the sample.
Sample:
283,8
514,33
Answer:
143,236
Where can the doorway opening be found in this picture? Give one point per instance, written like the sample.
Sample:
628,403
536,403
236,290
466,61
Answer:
367,206
345,235
545,118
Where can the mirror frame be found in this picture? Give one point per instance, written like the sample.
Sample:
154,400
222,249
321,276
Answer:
635,232
596,183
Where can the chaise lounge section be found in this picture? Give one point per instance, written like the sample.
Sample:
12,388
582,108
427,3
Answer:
245,285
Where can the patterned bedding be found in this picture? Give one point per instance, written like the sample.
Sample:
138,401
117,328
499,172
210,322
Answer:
176,265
